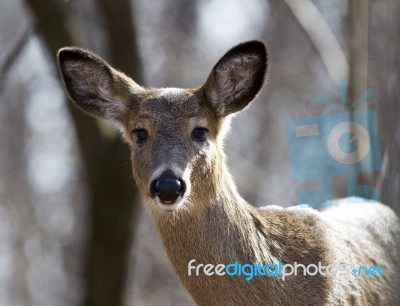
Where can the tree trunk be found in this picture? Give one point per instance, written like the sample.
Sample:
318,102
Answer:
384,67
110,185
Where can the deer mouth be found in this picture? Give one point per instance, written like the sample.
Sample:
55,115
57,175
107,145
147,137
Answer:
170,205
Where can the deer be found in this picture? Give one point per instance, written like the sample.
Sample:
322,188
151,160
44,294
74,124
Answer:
176,137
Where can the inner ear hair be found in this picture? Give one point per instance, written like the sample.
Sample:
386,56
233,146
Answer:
94,86
237,77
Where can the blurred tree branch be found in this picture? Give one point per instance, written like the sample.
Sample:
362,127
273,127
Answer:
106,160
358,48
13,54
321,36
358,74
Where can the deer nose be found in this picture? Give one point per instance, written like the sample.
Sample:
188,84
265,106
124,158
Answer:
168,187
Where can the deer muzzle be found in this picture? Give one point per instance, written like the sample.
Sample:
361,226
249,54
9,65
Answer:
167,187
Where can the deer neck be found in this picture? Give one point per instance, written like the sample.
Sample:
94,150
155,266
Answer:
217,227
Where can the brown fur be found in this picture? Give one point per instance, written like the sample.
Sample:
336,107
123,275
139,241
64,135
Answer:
215,225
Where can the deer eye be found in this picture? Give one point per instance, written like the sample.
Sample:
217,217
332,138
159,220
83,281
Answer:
199,134
141,135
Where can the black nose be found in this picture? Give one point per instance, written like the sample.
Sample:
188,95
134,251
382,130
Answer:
168,187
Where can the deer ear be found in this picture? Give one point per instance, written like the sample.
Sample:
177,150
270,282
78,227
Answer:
94,86
237,78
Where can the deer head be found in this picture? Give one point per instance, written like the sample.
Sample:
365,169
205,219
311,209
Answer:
175,135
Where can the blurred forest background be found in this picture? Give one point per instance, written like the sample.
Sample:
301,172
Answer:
72,230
